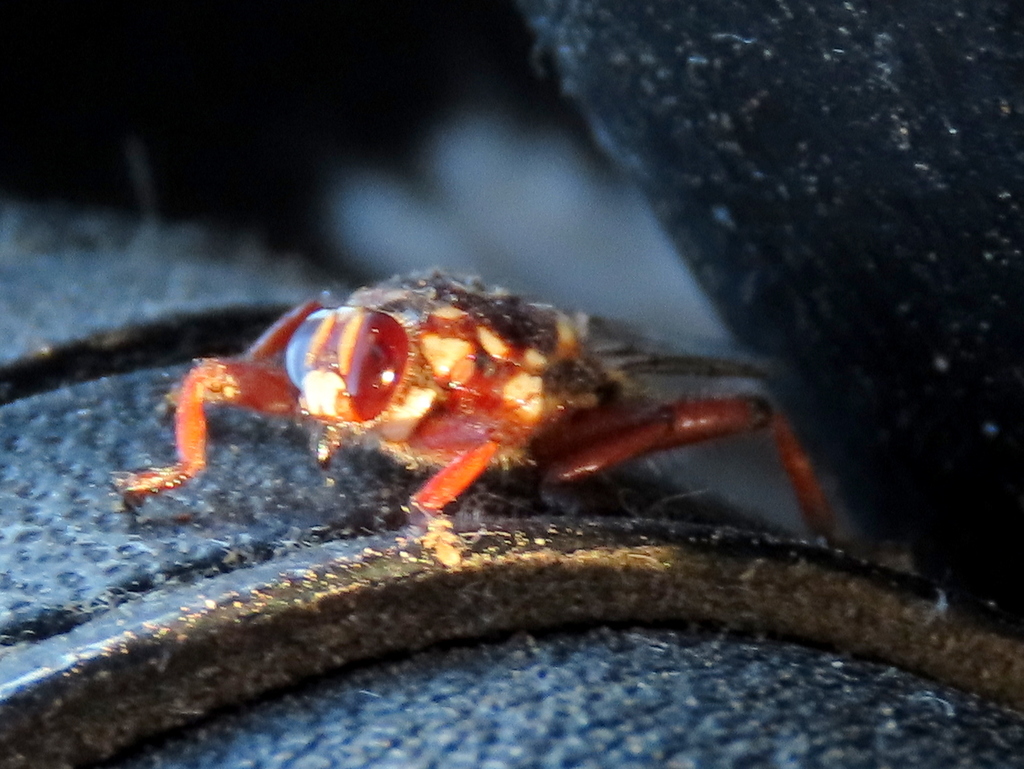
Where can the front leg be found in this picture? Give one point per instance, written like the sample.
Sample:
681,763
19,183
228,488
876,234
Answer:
435,531
244,383
453,479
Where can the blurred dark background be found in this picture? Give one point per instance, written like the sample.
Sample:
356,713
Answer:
239,108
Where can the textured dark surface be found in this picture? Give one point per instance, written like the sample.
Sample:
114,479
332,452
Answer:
847,180
68,273
615,698
181,651
69,546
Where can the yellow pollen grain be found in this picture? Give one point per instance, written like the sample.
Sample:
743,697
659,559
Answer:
526,392
227,389
444,352
493,344
534,360
402,419
449,313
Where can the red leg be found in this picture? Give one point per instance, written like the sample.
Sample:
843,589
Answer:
598,439
243,383
817,512
452,480
275,339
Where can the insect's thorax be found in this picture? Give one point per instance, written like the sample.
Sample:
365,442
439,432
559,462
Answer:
438,366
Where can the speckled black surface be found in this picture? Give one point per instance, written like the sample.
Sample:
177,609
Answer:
69,546
609,698
847,179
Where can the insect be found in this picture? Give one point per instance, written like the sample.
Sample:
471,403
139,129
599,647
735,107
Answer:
443,372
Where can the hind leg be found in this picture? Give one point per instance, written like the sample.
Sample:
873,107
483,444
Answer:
600,438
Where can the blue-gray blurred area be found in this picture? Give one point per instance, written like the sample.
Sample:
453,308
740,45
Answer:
528,208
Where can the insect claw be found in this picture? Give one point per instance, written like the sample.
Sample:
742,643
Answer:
130,503
131,499
417,518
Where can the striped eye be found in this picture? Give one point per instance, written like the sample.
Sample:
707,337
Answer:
379,352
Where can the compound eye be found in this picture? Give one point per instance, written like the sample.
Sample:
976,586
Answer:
379,355
313,345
